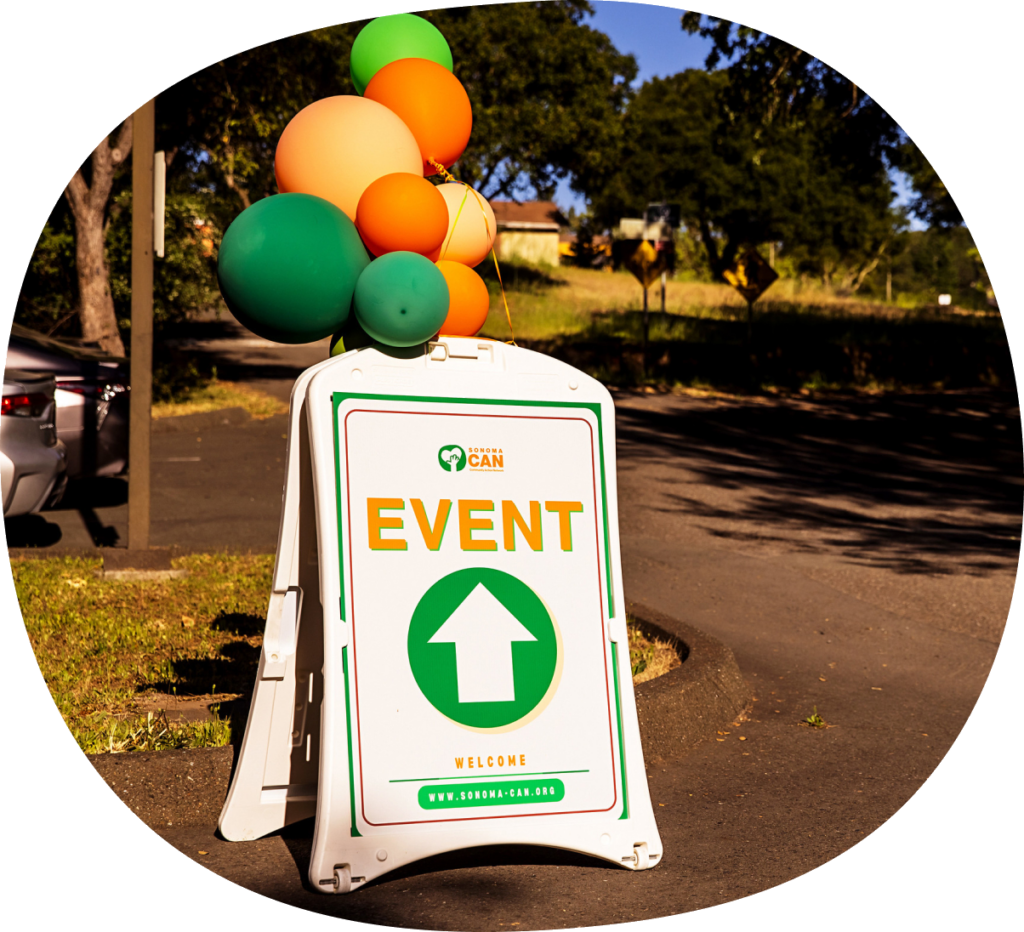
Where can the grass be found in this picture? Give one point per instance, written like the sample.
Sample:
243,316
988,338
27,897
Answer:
217,395
814,720
110,651
804,338
649,658
108,648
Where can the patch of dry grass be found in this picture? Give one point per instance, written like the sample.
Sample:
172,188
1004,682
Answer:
649,658
107,648
218,395
560,302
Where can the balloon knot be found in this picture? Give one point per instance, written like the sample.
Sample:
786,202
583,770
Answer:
441,170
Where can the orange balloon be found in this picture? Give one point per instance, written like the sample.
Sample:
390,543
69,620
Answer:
431,101
469,240
336,147
468,300
402,212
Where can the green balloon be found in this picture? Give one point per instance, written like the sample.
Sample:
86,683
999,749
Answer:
401,299
389,38
288,267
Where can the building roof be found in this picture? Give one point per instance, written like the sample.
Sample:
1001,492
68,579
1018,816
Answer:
542,216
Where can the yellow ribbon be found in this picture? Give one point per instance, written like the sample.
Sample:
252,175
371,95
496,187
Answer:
487,227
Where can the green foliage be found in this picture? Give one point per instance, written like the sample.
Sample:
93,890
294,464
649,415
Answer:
814,720
546,92
774,147
48,293
931,202
941,260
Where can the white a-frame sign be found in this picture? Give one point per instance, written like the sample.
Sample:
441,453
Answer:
446,661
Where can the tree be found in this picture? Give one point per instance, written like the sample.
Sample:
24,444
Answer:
89,201
932,202
547,92
774,147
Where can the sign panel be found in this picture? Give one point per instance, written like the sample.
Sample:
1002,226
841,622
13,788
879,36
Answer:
495,640
751,276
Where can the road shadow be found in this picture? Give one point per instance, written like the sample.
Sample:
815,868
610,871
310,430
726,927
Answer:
791,346
925,483
31,531
85,496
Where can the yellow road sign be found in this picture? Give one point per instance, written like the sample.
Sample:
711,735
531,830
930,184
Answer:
750,275
647,263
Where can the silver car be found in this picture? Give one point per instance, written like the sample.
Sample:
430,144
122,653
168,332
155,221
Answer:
92,398
33,462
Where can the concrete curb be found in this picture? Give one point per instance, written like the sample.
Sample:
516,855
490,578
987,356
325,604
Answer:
692,702
676,711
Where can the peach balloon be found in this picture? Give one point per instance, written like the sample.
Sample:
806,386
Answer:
469,240
337,146
468,300
402,212
431,101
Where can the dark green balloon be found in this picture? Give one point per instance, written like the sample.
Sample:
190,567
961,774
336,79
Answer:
401,299
288,267
389,38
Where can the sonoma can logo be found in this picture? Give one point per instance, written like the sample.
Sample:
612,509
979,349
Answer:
452,458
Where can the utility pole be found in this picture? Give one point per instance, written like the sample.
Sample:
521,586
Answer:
140,406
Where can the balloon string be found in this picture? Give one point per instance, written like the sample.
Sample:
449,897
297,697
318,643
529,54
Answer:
487,227
442,171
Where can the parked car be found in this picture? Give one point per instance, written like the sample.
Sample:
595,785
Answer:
33,462
91,398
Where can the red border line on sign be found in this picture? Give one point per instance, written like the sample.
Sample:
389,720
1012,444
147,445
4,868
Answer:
355,652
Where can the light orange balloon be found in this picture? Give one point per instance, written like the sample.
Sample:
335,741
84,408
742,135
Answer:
468,300
469,240
431,101
402,212
336,147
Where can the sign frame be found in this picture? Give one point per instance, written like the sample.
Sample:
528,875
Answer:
346,852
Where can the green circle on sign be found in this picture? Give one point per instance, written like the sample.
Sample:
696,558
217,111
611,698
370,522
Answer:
484,649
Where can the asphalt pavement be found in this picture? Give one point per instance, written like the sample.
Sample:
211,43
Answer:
857,555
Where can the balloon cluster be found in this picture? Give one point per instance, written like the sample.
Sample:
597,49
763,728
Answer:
359,244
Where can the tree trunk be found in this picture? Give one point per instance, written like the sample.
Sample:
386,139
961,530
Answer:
89,207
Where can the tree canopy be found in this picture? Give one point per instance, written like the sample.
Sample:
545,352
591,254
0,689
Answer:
546,91
773,147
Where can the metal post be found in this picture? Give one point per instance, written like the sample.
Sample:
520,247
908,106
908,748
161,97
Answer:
141,397
646,327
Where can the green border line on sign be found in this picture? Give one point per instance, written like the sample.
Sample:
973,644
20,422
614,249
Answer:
622,743
338,398
351,771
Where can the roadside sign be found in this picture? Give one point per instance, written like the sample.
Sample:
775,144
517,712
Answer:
647,261
476,681
751,276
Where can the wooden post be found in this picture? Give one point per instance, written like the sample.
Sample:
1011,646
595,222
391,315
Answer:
664,275
141,398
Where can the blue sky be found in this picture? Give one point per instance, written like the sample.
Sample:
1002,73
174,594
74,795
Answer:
654,36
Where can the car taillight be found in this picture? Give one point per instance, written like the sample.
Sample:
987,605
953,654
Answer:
25,405
104,390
